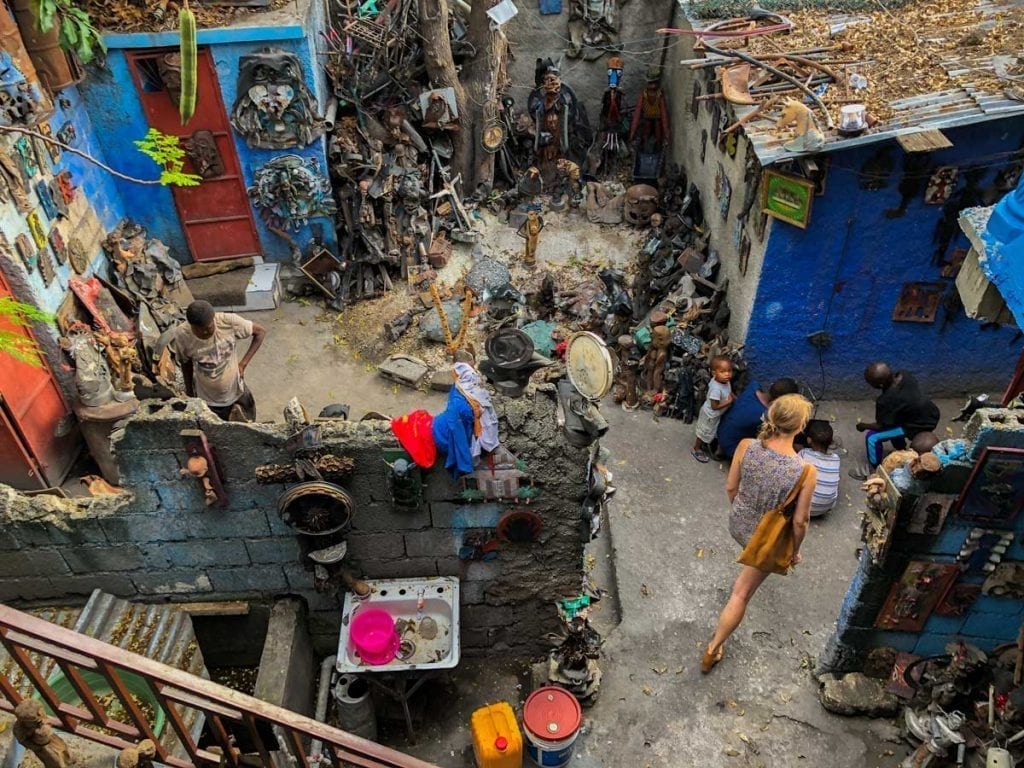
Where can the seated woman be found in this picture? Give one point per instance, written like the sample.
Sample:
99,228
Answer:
468,425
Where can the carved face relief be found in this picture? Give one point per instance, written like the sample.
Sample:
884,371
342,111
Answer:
274,108
552,83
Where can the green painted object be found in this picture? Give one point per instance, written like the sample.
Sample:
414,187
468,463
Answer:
98,684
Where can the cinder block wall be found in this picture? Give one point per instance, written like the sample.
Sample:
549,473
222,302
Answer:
990,621
157,541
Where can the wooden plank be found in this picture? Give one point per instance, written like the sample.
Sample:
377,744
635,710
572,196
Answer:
225,608
923,141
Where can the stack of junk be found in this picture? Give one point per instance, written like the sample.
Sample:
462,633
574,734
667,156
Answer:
661,325
116,333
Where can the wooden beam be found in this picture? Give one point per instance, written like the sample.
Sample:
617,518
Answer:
923,141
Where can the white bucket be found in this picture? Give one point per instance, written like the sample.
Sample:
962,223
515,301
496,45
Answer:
550,754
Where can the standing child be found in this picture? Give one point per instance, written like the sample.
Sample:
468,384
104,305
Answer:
818,455
719,398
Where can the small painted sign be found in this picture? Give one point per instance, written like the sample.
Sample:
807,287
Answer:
787,198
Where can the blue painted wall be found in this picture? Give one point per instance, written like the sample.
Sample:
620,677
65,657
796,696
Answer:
95,185
843,274
990,621
117,113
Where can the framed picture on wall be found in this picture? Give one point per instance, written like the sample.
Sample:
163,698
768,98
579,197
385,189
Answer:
912,599
787,198
994,493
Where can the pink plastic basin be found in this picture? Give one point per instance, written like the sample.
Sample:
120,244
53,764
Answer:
373,636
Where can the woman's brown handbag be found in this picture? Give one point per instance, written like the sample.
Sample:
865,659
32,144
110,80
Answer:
771,547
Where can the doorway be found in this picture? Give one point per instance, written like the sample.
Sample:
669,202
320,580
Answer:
215,216
36,451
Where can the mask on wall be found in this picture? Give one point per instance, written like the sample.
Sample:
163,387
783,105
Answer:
23,102
289,190
274,107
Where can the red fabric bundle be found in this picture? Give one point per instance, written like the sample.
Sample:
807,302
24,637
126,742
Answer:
414,432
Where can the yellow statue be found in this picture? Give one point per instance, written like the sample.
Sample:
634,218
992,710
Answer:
530,231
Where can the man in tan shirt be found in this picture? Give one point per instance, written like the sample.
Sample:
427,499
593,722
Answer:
205,347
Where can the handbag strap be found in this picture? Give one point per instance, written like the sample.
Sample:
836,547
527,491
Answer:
795,490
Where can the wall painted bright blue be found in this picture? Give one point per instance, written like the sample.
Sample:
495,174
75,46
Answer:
94,184
843,274
117,114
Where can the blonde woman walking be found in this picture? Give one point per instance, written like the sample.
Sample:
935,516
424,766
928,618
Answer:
763,473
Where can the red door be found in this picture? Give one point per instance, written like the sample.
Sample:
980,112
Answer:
31,408
215,216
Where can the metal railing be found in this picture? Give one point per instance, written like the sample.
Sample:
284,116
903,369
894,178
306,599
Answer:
237,724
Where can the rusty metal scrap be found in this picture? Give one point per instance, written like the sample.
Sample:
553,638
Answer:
329,466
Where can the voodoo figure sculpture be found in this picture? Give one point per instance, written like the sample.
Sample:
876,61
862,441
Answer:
274,108
289,190
560,122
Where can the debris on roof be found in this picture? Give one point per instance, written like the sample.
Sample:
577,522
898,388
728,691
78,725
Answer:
161,15
920,64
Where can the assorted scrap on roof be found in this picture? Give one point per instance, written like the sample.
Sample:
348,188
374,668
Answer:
903,68
160,15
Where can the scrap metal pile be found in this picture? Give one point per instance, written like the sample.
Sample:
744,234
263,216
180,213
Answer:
399,207
117,333
677,319
964,707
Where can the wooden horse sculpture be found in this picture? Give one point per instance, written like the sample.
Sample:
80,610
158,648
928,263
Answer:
808,138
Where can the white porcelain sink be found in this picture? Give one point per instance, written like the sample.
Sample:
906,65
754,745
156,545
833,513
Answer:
400,598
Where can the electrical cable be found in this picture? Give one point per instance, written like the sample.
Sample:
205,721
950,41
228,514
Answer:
831,299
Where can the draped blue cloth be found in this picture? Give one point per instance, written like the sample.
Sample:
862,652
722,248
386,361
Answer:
453,434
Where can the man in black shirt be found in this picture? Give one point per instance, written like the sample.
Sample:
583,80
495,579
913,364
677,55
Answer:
901,411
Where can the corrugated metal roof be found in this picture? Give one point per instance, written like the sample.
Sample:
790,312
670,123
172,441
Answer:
970,103
943,109
161,632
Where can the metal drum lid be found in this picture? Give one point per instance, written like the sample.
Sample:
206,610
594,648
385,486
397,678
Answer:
552,714
589,365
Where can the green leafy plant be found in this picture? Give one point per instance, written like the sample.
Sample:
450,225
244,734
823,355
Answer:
17,345
77,32
165,150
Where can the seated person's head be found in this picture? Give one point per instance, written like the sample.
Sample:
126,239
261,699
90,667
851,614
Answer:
782,387
924,442
819,435
878,375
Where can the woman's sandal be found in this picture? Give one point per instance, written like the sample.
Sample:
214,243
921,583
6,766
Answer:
710,660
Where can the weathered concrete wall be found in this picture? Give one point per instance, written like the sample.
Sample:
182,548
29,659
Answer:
703,160
534,35
160,542
990,620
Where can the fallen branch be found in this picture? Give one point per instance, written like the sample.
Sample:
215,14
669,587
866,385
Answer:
80,153
778,73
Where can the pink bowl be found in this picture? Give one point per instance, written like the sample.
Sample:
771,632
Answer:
373,635
385,657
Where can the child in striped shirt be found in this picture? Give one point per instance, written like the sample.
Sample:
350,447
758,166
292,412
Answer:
818,455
